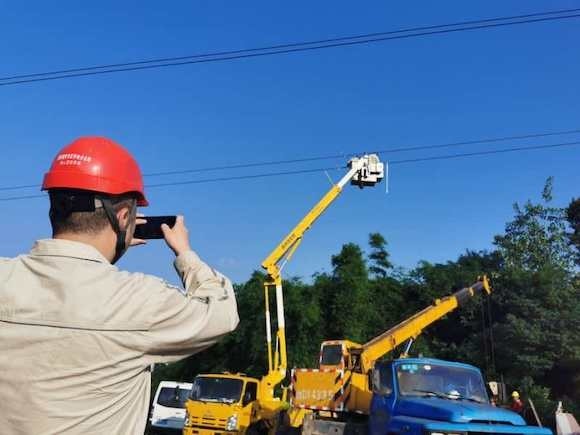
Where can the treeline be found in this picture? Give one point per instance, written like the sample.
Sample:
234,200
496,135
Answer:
527,332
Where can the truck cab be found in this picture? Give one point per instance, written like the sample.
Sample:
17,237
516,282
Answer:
339,354
426,396
168,407
221,403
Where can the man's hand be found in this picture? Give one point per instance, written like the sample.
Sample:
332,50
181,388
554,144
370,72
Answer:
139,221
177,238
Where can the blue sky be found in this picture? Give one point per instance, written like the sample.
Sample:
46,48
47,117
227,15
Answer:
430,90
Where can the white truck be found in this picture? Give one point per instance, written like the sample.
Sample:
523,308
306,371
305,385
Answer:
168,407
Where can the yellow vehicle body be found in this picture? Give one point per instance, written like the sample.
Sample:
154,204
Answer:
336,390
318,389
208,417
211,419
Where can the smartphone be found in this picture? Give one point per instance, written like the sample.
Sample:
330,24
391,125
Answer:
152,228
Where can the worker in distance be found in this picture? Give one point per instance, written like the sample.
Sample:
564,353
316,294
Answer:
78,335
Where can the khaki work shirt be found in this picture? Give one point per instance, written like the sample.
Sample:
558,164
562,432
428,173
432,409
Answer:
77,336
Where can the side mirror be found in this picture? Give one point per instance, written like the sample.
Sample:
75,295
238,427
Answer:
247,399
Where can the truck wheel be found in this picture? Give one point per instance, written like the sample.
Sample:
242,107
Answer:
256,429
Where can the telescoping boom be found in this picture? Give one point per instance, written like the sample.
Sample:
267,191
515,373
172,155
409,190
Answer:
363,171
412,327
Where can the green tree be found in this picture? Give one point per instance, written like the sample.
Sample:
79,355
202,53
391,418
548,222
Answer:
537,236
387,305
537,298
384,310
463,334
536,321
379,257
573,216
304,324
345,295
247,345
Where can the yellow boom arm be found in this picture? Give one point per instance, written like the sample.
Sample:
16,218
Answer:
364,171
412,327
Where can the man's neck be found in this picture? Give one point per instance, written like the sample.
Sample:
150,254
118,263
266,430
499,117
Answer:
101,242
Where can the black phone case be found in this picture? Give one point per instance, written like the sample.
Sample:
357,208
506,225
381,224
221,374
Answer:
152,228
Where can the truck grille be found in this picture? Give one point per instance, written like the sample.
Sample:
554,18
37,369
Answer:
208,422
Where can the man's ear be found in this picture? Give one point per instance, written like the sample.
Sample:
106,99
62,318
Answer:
123,216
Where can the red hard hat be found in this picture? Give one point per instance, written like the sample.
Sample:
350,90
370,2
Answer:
96,164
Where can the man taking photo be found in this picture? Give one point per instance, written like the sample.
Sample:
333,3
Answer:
78,335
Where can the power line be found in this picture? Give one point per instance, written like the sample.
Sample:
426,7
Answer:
343,155
246,165
306,171
288,45
17,198
483,153
293,47
22,186
478,141
336,156
392,162
244,177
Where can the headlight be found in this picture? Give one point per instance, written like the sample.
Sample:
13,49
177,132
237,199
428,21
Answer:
232,423
446,433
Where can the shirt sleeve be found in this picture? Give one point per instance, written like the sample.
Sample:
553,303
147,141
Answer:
186,323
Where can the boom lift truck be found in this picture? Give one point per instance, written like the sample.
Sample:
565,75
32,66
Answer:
340,390
237,403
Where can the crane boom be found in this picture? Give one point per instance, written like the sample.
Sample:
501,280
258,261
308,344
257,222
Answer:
414,325
366,170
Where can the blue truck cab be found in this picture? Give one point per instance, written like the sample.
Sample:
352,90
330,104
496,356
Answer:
424,396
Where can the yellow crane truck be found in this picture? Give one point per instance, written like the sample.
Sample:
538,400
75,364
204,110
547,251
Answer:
340,390
236,403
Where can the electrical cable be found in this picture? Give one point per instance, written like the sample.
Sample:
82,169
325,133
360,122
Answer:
483,153
23,186
17,198
343,155
336,156
305,171
290,48
244,177
288,45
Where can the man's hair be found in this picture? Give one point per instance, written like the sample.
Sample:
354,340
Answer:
65,220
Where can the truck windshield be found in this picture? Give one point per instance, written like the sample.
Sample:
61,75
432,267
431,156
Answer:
430,380
209,389
173,397
331,355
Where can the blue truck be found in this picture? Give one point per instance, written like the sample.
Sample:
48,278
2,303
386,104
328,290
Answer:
356,390
424,396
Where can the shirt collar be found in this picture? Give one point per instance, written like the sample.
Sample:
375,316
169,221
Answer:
67,248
